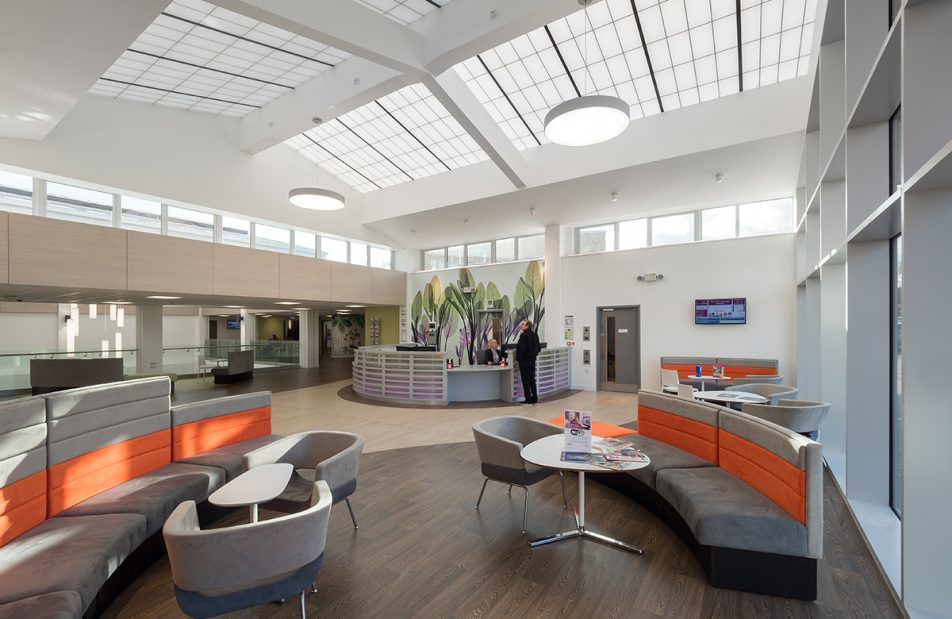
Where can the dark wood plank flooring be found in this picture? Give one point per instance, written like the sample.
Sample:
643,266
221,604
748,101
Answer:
423,551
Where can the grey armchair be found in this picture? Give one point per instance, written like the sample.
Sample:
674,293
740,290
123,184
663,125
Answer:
499,441
757,380
773,393
330,456
801,416
217,571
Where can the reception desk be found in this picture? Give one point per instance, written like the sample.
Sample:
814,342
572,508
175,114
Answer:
386,374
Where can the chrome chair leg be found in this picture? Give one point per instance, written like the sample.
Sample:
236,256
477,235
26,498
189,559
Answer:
565,499
314,586
525,512
480,499
510,489
351,510
303,607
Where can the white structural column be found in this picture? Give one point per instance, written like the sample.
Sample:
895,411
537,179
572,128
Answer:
149,338
249,327
553,286
310,336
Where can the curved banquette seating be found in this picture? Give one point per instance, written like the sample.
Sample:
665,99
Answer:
88,476
734,367
745,494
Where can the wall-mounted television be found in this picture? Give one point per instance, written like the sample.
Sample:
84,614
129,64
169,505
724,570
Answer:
720,311
233,323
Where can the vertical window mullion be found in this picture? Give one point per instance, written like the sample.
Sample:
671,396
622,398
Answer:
217,233
39,197
252,235
116,211
164,225
648,242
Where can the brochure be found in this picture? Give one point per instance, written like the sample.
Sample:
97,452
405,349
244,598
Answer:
576,456
615,450
578,431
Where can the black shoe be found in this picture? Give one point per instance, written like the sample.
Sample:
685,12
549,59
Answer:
524,402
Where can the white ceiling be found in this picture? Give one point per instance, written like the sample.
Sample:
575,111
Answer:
404,11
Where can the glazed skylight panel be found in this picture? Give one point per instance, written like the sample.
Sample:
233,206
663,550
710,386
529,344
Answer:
404,136
205,58
404,11
777,36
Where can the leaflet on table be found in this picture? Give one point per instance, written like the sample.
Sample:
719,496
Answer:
596,458
616,450
578,431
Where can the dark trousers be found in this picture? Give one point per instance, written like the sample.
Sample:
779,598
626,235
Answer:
528,374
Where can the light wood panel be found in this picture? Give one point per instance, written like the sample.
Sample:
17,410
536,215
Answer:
168,264
246,272
27,308
4,249
351,283
306,279
48,252
389,287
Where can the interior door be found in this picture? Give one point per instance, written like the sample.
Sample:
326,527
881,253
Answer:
619,349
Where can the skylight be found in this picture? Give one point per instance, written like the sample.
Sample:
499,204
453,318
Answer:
692,56
205,58
404,11
402,137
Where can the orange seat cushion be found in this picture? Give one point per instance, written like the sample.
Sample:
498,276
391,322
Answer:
22,506
599,429
79,478
692,436
777,479
197,437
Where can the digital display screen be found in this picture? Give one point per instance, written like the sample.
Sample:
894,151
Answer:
720,311
233,323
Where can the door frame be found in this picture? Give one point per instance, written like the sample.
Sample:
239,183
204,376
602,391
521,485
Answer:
598,346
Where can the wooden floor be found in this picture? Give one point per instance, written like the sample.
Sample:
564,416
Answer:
423,551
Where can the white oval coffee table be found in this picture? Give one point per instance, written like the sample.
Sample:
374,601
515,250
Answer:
255,486
547,453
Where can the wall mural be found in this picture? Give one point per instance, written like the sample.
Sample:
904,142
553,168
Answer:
347,333
455,308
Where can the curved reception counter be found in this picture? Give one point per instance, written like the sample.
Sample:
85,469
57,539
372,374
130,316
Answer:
409,377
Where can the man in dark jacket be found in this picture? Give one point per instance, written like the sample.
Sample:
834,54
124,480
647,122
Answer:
526,352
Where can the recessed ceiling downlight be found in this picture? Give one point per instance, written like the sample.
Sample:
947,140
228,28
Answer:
316,199
587,120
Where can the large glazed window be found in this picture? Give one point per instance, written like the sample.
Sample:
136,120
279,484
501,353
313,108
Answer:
532,247
333,249
16,193
235,231
595,239
895,389
672,229
769,217
141,215
718,223
189,224
85,206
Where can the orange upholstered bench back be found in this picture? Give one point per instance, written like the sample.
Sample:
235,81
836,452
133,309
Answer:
776,478
204,426
22,466
687,371
685,424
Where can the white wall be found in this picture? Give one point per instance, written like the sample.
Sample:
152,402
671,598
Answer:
32,332
759,268
181,331
27,332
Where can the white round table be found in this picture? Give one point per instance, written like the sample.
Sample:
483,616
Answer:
705,378
547,453
258,485
730,397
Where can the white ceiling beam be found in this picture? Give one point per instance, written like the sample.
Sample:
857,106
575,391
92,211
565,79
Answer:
345,25
52,52
459,101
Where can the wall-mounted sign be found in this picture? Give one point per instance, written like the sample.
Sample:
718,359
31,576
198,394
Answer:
586,334
569,327
587,357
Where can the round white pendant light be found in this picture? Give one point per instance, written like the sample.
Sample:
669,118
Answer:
316,199
587,120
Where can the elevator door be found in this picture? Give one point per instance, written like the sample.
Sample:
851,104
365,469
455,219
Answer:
619,349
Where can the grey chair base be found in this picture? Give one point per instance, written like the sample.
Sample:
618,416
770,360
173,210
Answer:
525,510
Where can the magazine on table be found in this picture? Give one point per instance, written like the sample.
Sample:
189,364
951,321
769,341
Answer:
615,450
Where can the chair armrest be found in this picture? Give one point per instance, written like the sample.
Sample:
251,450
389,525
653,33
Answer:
341,467
499,451
269,454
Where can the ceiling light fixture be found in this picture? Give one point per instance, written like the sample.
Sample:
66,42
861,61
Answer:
719,177
614,196
356,306
587,119
160,297
287,302
316,198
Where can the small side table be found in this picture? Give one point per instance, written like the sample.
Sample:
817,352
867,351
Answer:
258,485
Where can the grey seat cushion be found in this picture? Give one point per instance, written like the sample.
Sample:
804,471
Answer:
724,511
58,605
663,456
297,495
68,554
228,458
154,495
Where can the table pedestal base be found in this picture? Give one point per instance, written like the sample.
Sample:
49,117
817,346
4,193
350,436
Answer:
580,530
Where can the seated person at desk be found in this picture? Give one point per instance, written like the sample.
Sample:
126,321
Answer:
493,355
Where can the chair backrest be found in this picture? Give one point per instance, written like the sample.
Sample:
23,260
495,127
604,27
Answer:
782,465
797,415
203,426
499,440
669,378
773,393
102,436
757,380
688,425
22,466
745,366
685,366
244,556
54,374
686,392
241,361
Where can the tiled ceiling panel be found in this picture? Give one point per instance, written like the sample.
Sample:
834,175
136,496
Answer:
404,11
205,58
673,54
399,138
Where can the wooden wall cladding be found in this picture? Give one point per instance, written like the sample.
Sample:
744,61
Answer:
304,279
168,264
246,272
351,283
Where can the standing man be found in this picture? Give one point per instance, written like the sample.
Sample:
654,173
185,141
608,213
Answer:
526,352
